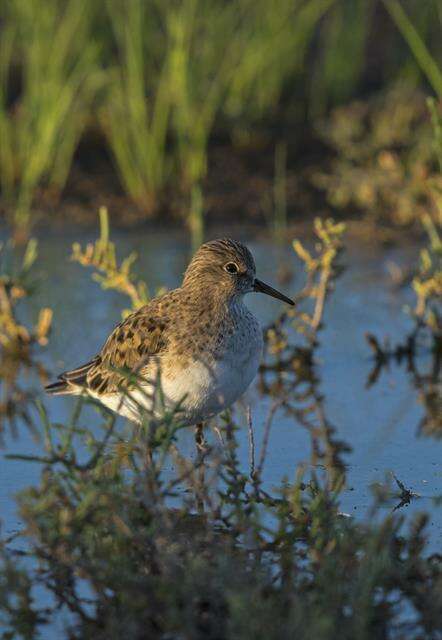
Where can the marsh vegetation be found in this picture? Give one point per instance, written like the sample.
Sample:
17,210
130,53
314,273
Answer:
316,130
125,531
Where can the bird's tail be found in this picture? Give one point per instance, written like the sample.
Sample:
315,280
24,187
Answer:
59,388
71,382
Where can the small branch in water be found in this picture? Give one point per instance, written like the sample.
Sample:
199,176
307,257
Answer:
406,495
265,441
220,435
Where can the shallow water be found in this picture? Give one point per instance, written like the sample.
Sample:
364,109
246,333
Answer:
380,423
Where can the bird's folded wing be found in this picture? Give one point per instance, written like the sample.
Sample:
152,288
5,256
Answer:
129,348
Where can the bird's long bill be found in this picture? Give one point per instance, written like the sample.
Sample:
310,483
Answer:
262,287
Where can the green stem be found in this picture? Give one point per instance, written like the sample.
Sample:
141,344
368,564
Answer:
196,218
423,57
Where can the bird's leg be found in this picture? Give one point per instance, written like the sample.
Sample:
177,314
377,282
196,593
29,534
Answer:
200,477
199,438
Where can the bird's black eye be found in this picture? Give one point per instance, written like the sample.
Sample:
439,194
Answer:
231,267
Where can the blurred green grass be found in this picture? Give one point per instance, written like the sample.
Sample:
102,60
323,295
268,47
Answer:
159,81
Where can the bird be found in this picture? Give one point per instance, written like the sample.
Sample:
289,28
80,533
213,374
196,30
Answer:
195,349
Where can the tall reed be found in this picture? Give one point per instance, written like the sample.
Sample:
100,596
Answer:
225,59
136,110
173,75
49,45
425,60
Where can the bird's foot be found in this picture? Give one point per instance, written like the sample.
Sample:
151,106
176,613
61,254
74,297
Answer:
200,441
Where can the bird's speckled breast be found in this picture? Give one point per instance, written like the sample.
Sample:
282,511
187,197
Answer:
223,369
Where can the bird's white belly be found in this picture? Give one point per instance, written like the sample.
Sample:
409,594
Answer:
200,390
205,390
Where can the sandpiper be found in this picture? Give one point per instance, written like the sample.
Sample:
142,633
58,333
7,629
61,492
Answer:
199,344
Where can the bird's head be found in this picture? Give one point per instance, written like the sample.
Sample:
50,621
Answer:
228,267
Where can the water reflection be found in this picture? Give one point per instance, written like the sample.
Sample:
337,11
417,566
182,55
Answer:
18,362
428,384
293,381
